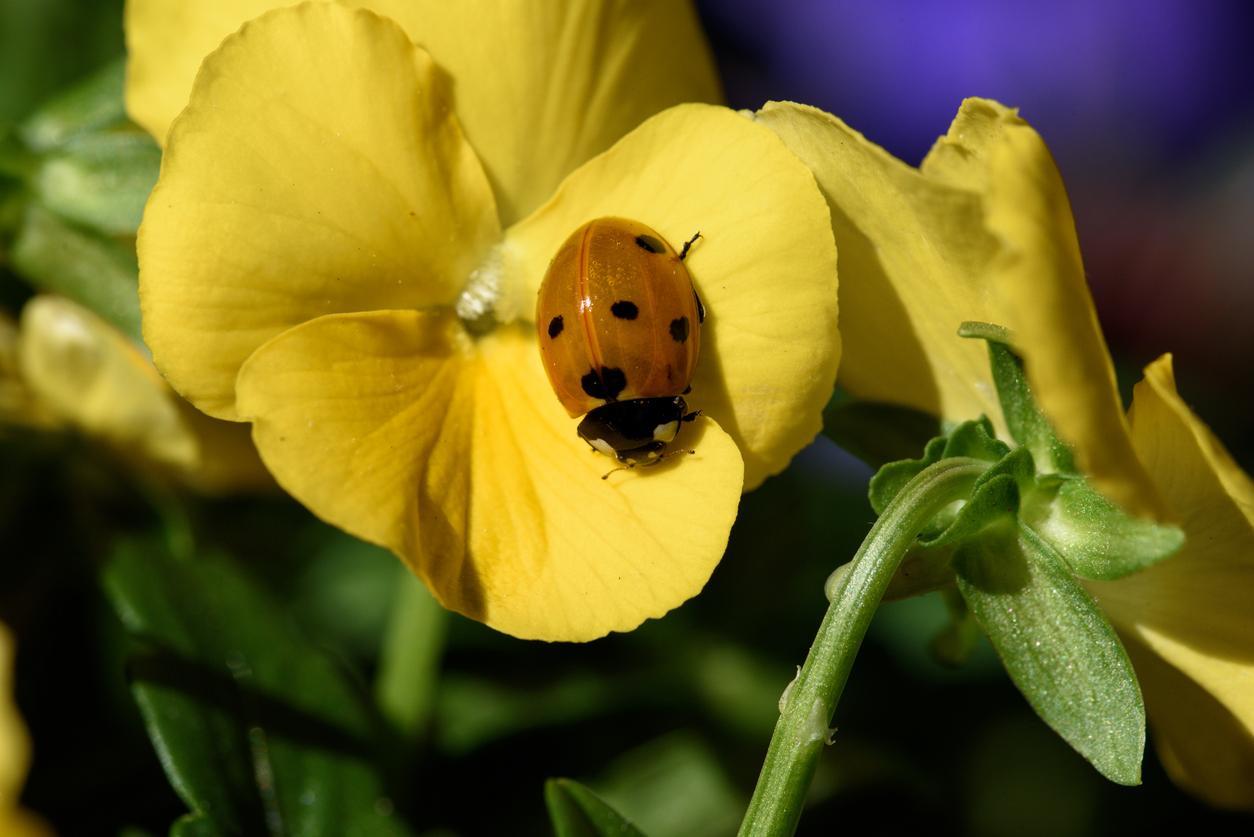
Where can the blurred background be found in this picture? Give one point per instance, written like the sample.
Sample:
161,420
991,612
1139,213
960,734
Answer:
1148,106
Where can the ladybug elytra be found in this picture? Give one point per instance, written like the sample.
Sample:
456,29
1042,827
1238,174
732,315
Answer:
619,324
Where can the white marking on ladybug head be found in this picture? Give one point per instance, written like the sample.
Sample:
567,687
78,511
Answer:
603,446
666,432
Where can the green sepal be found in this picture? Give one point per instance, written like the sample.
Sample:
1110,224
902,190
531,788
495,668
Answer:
877,433
1028,426
96,272
1094,536
258,730
995,496
100,180
973,439
922,571
1056,645
576,811
94,104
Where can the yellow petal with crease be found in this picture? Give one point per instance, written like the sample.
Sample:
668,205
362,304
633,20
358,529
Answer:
456,455
1194,609
765,266
540,86
318,169
981,231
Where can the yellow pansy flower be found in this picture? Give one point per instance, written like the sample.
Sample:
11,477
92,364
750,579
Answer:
355,211
982,230
14,753
68,367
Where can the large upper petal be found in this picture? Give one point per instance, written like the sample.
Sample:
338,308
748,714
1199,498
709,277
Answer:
765,266
981,231
317,169
165,43
1195,610
540,86
455,454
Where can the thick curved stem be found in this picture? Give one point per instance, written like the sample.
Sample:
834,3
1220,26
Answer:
809,702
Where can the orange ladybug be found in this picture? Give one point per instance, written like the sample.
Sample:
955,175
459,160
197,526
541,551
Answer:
619,324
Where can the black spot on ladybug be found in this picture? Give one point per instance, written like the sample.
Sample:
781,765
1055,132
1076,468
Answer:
700,307
555,326
648,242
625,310
686,390
606,384
679,329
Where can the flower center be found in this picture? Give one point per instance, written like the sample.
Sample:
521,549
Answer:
480,304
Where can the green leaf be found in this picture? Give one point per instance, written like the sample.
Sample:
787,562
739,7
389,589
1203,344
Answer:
96,272
258,730
1095,537
675,786
1057,647
94,104
576,811
409,661
194,825
100,180
1027,424
878,433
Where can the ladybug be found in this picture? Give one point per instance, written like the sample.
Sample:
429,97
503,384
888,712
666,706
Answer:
619,324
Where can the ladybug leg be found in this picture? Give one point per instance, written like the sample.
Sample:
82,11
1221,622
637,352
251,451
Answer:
691,416
687,244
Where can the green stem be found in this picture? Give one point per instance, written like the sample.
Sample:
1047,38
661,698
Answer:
409,659
808,704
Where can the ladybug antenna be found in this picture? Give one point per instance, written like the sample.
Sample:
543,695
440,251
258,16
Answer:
688,244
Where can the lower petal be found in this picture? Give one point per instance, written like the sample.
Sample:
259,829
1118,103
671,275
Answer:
456,455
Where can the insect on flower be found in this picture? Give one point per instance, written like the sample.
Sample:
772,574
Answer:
619,323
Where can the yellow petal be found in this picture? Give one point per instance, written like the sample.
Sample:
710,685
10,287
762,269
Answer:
1204,747
456,455
14,742
14,753
765,266
1038,274
983,231
317,169
86,373
165,43
1194,609
540,86
18,405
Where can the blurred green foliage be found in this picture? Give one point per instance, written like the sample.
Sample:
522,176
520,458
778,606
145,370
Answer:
46,44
